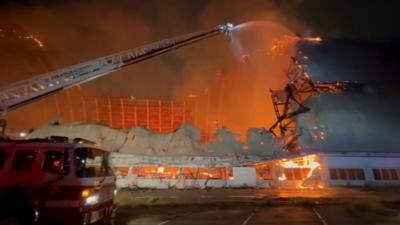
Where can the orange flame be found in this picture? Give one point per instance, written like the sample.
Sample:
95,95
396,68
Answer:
315,40
283,45
282,177
305,162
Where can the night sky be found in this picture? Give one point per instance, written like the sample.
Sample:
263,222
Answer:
74,31
363,119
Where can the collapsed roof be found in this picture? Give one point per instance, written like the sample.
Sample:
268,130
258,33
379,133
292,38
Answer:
182,142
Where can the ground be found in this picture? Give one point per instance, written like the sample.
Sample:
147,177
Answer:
259,207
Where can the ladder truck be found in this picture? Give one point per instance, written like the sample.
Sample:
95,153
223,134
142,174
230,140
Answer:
55,180
29,90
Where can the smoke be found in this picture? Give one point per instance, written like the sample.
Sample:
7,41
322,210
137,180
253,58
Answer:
75,31
256,60
360,120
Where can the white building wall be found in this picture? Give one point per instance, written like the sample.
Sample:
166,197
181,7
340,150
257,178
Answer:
364,161
244,177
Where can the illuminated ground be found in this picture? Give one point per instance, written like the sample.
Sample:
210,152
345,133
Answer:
247,215
255,196
247,206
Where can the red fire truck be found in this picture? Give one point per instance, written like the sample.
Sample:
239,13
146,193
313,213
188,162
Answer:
55,181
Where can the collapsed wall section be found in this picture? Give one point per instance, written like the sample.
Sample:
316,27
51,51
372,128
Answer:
183,142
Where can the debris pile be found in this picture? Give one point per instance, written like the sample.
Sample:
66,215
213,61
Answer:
183,142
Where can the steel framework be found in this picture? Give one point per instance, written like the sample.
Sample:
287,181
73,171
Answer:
290,102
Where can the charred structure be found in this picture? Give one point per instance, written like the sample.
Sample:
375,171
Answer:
340,92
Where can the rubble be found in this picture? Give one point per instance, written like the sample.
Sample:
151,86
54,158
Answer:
183,142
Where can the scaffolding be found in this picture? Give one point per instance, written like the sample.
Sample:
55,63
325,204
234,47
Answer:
124,112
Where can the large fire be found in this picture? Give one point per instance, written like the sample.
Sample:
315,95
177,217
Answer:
301,169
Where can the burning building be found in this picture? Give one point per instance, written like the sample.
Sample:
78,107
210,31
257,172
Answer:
329,109
327,105
361,119
340,105
329,169
143,158
155,136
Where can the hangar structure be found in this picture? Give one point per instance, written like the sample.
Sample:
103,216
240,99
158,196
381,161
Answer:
340,106
332,109
340,101
361,113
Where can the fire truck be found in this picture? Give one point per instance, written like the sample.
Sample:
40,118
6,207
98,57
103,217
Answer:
57,180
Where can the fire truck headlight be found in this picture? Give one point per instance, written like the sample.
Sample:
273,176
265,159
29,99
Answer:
36,215
115,192
92,199
86,193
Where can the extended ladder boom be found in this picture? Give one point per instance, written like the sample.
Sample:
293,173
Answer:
29,90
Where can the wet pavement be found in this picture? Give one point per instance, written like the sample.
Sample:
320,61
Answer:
247,215
259,207
145,197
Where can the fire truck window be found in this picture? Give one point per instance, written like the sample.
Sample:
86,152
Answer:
53,161
2,158
23,160
90,162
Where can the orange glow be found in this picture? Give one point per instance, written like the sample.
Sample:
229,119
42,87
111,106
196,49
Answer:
36,40
161,169
308,161
282,177
283,45
236,98
175,172
313,39
305,166
122,170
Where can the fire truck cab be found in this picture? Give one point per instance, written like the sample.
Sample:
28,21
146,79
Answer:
55,182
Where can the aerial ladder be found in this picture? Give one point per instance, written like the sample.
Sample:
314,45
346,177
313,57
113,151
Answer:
32,89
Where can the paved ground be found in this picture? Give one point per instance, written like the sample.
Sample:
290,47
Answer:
247,215
259,207
145,197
